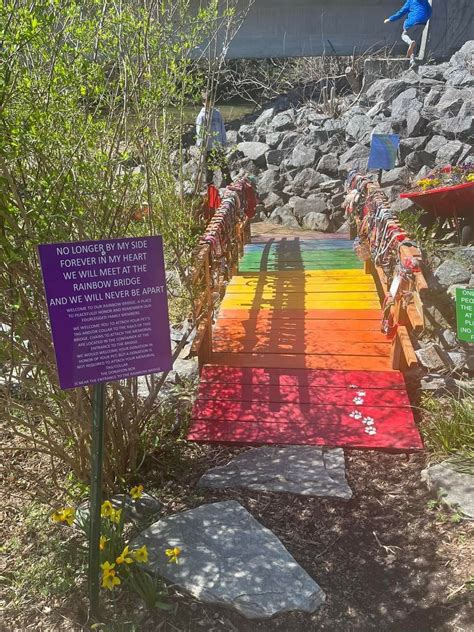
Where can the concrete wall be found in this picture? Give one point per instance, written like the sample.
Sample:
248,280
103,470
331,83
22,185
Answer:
295,28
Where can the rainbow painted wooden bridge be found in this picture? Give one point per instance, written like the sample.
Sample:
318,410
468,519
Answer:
298,356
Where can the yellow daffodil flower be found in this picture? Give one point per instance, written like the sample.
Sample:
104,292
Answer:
124,557
470,177
173,554
64,515
116,515
107,510
103,542
136,492
107,567
111,580
141,554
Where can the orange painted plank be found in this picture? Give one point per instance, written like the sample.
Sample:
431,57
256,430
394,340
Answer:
306,314
302,394
307,346
301,336
266,326
292,360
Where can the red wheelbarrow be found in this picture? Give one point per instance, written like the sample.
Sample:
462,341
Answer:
455,202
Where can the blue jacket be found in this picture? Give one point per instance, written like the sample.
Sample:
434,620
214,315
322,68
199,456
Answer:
419,12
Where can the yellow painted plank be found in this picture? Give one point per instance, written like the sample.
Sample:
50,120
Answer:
308,304
302,296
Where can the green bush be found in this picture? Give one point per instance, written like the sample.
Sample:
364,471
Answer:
86,140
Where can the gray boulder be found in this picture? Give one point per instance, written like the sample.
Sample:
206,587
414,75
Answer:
289,141
275,157
328,165
272,201
418,159
450,152
273,139
450,272
459,70
434,145
431,356
415,123
247,133
453,487
303,156
433,72
255,151
317,204
283,216
399,175
359,129
265,117
408,145
354,158
283,121
433,97
406,102
317,221
451,101
269,181
230,559
307,180
457,127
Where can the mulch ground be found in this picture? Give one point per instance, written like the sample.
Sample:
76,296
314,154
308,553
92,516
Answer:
385,560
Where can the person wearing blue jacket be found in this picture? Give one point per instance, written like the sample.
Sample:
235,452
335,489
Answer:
418,13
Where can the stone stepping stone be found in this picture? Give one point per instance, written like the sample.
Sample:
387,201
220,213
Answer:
454,488
230,559
305,470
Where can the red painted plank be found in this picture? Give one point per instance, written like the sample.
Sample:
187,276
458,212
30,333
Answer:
302,394
267,433
282,412
304,346
300,361
306,377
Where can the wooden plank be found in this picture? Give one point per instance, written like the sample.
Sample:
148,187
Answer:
264,326
303,346
302,296
302,394
297,336
294,414
407,348
399,436
350,273
309,304
295,361
300,314
306,377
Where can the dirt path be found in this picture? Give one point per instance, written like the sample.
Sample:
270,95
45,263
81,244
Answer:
385,559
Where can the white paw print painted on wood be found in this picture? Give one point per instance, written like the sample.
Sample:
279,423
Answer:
358,400
356,414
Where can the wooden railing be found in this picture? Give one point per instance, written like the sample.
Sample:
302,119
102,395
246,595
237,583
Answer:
216,260
394,261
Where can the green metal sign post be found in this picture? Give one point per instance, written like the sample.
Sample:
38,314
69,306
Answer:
465,313
97,457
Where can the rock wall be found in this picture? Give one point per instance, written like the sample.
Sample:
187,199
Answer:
300,155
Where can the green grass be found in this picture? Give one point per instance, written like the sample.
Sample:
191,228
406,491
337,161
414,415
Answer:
448,430
41,562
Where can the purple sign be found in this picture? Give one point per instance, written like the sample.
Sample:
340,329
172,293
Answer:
108,308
